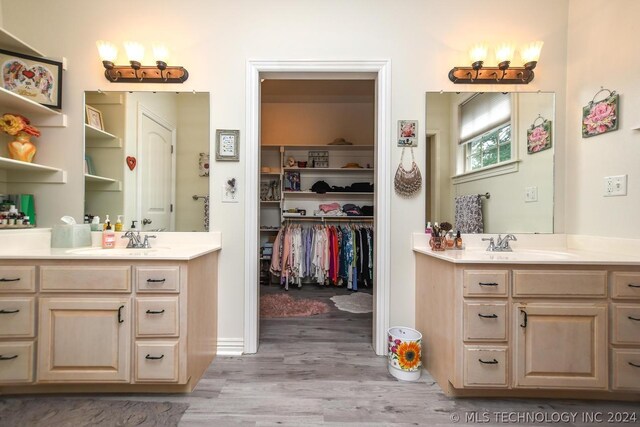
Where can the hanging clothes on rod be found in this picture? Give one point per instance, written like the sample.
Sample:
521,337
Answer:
325,254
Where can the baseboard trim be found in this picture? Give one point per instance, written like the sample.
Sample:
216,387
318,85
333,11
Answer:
230,346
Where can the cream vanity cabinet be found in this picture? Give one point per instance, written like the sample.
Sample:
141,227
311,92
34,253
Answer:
101,325
529,330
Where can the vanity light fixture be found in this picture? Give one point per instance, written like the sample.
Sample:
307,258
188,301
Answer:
135,72
503,73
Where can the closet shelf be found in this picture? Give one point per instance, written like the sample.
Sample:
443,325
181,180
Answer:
39,115
328,218
270,202
12,43
331,170
23,172
333,194
328,147
270,173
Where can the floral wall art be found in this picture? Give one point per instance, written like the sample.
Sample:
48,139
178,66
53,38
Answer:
539,135
599,117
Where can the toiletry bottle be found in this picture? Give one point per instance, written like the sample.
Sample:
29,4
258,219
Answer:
118,226
458,240
108,236
133,225
106,220
428,229
449,240
95,223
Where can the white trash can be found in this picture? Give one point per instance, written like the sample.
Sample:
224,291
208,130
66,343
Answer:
404,353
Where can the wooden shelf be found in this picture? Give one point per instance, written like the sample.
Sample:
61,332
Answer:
39,115
10,42
329,218
101,183
328,147
270,202
327,194
269,230
96,138
331,170
31,172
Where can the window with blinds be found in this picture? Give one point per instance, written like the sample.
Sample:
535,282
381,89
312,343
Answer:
485,129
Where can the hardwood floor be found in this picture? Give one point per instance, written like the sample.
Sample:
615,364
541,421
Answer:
321,370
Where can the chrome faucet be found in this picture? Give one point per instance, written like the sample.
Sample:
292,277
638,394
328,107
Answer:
502,245
135,242
145,243
492,244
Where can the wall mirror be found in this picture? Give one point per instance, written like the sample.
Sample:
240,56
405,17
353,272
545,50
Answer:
490,161
146,158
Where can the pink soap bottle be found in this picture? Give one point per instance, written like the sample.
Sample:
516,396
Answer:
108,237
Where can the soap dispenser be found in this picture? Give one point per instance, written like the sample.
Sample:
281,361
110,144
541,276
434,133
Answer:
106,220
118,226
108,236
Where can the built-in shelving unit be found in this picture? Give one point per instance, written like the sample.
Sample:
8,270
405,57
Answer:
97,138
19,172
101,183
334,194
331,170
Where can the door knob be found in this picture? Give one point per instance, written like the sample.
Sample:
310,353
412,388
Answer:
146,221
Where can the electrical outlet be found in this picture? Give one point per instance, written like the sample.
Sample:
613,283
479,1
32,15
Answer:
615,185
531,194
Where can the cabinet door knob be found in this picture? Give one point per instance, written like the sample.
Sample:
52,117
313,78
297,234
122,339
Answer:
3,357
150,357
487,284
490,362
155,311
120,319
488,316
9,311
156,280
2,279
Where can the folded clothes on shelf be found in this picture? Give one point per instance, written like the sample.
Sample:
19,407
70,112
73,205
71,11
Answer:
328,207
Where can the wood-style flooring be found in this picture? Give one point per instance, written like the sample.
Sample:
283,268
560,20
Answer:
322,371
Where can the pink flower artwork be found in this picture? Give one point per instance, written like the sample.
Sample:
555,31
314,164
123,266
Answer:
539,137
600,117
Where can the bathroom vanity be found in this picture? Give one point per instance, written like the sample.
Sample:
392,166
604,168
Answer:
93,320
532,323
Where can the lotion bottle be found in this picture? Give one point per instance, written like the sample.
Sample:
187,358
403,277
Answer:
108,236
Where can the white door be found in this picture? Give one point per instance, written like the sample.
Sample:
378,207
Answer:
156,172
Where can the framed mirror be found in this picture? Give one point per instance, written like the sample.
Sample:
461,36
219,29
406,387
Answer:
490,161
149,160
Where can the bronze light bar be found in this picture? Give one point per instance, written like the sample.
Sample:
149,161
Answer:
137,73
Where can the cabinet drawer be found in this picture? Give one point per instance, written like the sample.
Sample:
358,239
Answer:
158,279
626,370
157,317
485,366
16,362
485,321
486,283
85,278
559,284
17,317
18,279
625,285
626,323
156,361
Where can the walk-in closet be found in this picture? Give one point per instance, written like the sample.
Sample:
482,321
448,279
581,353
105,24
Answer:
317,210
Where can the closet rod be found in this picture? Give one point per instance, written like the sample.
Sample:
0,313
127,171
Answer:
332,219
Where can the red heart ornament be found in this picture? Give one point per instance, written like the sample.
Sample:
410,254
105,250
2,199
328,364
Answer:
131,162
28,74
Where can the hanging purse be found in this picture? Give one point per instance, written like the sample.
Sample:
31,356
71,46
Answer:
407,182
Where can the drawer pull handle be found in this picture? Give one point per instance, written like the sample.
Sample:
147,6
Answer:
488,316
15,356
150,357
9,311
156,280
524,320
633,318
634,365
120,319
490,362
633,285
487,284
155,311
2,279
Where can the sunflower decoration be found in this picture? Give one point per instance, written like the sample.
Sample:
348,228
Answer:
409,355
13,124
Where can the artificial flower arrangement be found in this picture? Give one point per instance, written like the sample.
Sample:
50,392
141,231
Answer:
20,127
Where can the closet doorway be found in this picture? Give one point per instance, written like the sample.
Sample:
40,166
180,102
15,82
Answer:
318,221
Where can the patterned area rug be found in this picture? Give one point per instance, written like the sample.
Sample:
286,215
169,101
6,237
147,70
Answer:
45,411
357,302
283,305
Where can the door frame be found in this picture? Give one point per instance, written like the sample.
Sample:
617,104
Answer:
144,111
382,69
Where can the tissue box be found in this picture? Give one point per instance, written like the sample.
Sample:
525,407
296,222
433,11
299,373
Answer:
70,236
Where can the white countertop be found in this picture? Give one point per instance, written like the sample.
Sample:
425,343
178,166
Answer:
527,251
167,246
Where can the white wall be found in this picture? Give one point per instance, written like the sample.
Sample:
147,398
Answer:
603,51
214,40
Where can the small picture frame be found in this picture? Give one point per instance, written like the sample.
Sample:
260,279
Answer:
94,117
292,181
37,79
407,133
227,145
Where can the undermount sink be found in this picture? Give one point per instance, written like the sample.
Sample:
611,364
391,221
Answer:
530,254
114,251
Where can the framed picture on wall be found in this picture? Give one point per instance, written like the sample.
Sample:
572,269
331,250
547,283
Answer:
94,117
227,142
600,117
407,133
37,79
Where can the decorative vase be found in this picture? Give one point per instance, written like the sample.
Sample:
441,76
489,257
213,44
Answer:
22,148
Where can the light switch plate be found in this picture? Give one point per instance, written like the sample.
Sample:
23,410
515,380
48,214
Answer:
615,185
531,194
230,191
